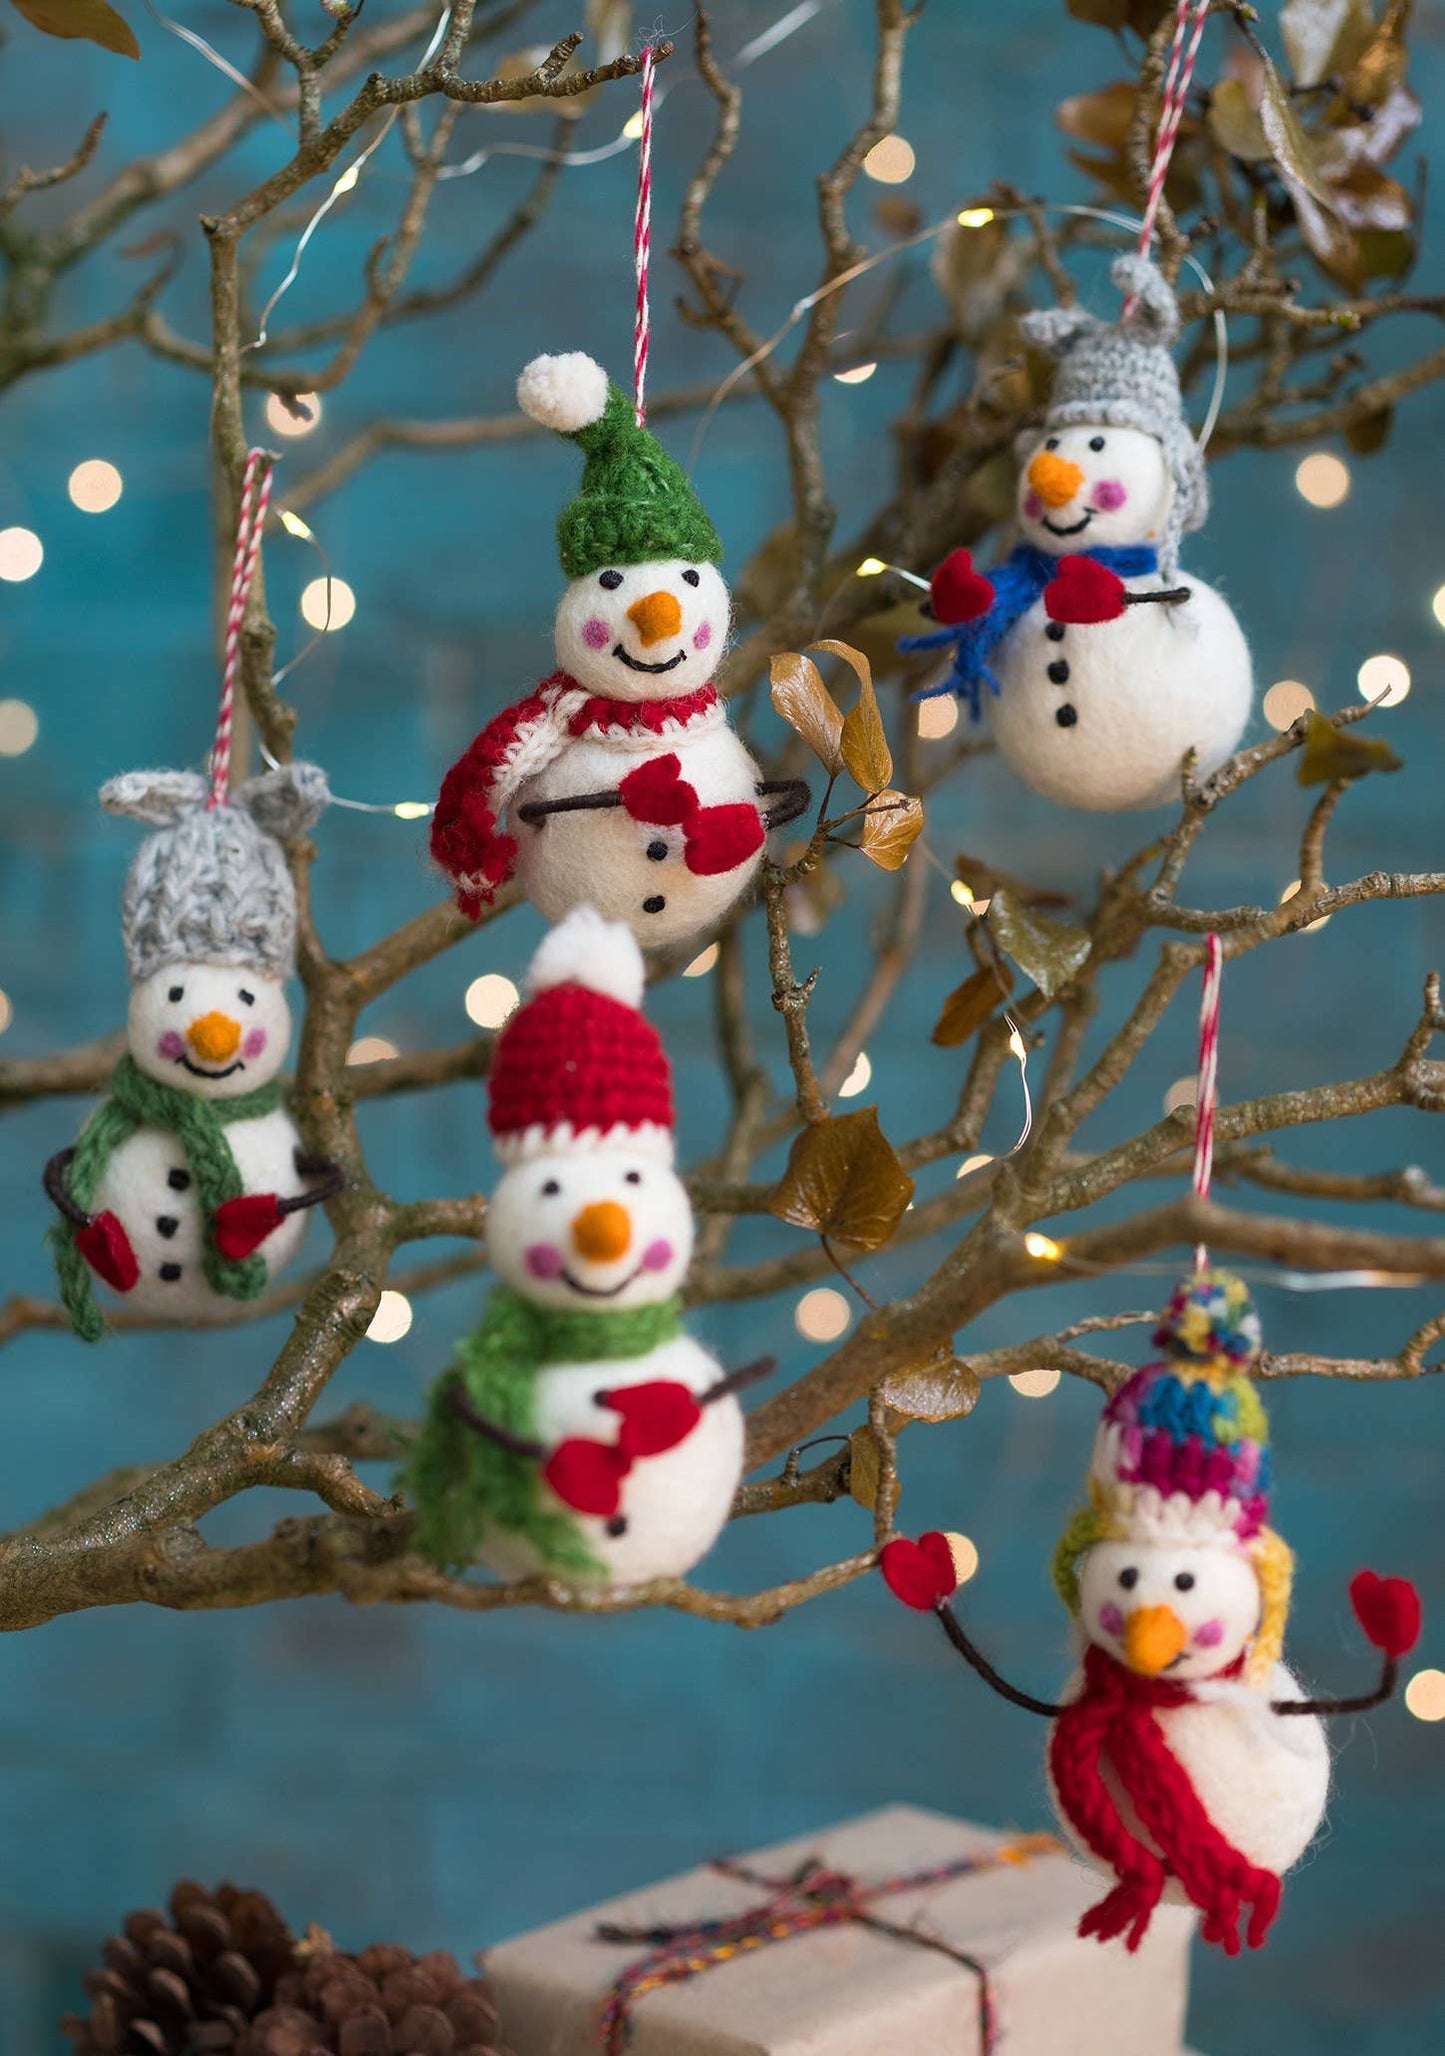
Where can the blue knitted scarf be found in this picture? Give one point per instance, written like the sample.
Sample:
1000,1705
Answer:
1017,583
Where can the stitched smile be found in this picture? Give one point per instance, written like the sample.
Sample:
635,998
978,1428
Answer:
196,1071
1077,528
636,663
600,1291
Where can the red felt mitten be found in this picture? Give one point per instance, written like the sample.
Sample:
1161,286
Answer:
1083,593
958,592
656,792
587,1475
720,838
106,1248
655,1416
919,1573
242,1225
1388,1609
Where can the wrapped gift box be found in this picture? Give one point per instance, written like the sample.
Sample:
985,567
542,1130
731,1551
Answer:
845,1988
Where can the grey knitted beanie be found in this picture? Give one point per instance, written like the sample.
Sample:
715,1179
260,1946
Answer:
211,886
1122,375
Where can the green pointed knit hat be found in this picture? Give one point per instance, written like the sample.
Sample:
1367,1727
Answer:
636,505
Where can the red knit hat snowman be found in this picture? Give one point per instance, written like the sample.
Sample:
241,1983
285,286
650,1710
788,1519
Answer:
578,1067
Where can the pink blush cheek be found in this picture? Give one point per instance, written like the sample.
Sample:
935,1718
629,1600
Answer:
703,636
596,634
657,1255
1109,495
544,1261
254,1044
1111,1620
1209,1636
171,1045
1033,506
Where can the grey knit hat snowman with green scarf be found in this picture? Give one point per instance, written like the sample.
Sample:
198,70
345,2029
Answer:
187,1188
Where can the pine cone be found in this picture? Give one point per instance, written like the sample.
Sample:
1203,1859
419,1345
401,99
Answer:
383,2002
187,1987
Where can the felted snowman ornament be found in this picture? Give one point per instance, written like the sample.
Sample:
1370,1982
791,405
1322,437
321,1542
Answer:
581,1433
617,783
187,1190
1183,1760
1106,664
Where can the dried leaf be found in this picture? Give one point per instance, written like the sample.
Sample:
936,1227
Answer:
1236,123
1348,141
1332,753
89,21
1382,66
1103,117
1371,200
1049,952
1371,434
844,1181
969,1005
865,1466
1324,37
1289,146
808,707
864,744
891,826
943,1389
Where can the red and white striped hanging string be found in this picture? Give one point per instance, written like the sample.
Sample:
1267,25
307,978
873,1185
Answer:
1206,1092
255,498
1189,19
642,239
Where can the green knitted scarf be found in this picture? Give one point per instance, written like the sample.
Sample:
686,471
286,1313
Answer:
462,1485
136,1101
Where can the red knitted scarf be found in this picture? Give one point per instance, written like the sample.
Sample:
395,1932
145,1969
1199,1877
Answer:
639,717
1113,1717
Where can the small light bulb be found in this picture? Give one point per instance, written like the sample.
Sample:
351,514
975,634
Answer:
1042,1248
412,810
872,566
961,892
1016,1044
294,525
975,217
632,127
347,179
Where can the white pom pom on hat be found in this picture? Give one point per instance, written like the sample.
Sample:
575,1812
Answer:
585,950
566,392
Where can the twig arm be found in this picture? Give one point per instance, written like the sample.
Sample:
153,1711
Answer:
971,1654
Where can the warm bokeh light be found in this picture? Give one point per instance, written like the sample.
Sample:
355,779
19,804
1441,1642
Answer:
1322,478
371,1049
282,421
1034,1384
19,726
1385,678
1285,701
1184,1092
327,614
1437,605
703,962
972,1164
822,1315
890,161
857,1079
1042,1248
7,1012
859,375
962,893
1290,892
871,567
1425,1695
94,486
392,1318
490,999
975,217
21,554
964,1553
937,718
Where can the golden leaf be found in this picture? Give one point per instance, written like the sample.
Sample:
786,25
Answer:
865,1466
844,1181
1331,753
943,1389
89,21
970,1004
891,826
864,744
808,707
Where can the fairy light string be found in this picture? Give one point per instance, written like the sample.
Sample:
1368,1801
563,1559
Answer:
642,238
255,498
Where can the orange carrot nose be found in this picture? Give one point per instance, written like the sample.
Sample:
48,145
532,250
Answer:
1153,1637
656,617
216,1037
1054,478
602,1231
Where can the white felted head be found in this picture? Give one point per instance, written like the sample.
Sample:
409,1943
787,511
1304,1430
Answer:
643,631
1091,485
608,1229
565,392
1178,1611
213,1029
584,949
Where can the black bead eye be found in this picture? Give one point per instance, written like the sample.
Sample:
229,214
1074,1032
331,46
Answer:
1184,1582
633,1178
176,992
1096,442
551,1189
1051,442
691,577
247,999
1129,1578
610,580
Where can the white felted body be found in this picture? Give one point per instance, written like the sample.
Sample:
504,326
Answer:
1145,688
1262,1777
136,1188
601,857
674,1504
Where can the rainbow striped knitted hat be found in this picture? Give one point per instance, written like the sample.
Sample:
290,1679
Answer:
1182,1451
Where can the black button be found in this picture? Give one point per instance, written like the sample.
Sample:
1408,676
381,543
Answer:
178,1180
657,851
170,1272
1059,671
618,1524
1055,631
1066,716
654,905
166,1225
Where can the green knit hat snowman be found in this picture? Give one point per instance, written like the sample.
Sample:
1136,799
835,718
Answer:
636,505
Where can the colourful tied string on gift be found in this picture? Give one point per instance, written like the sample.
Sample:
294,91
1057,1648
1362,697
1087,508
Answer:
1206,1091
642,239
813,1897
255,498
1190,17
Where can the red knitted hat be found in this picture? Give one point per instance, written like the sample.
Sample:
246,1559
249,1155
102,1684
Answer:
578,1066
